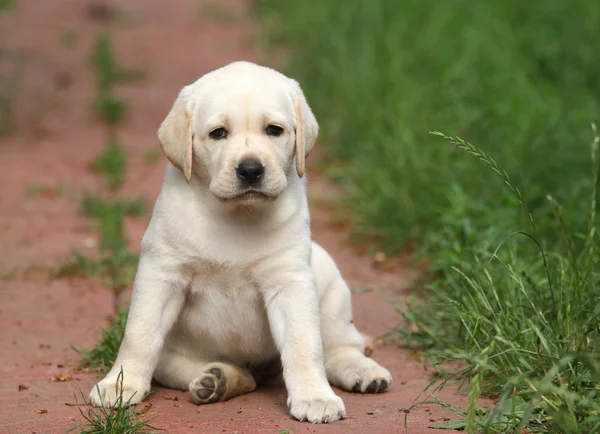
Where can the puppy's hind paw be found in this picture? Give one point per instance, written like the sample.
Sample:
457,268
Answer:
210,387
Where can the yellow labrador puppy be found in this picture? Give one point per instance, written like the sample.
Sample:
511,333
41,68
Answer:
229,279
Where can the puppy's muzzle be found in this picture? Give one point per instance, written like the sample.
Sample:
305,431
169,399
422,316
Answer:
250,172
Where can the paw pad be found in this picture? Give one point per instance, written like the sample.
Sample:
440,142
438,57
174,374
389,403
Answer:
210,387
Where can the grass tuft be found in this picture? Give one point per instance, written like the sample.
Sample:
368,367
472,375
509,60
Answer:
121,418
7,5
526,322
116,265
111,108
112,163
105,65
103,356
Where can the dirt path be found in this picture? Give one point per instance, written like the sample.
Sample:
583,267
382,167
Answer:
42,319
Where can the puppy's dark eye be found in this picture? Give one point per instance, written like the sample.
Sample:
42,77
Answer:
274,130
218,134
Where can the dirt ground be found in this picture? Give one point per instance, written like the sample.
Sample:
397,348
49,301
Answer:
42,319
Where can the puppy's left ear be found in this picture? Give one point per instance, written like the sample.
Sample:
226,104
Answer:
307,128
175,133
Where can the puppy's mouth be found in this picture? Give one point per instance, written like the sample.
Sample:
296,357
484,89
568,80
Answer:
248,196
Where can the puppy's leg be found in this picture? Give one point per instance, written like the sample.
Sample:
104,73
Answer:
207,382
293,311
346,364
155,304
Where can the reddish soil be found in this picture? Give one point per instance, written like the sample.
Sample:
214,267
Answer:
57,136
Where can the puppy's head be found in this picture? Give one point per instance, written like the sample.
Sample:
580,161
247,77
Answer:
243,129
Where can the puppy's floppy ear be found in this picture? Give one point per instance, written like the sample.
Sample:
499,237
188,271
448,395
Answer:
307,128
175,133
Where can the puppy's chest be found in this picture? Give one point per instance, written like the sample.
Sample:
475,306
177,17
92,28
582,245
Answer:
225,307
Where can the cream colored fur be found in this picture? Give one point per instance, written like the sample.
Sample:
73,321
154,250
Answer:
228,277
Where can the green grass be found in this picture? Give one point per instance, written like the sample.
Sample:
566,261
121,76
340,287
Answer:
103,356
379,77
106,67
116,264
119,419
111,108
109,73
510,234
7,5
526,321
112,163
13,65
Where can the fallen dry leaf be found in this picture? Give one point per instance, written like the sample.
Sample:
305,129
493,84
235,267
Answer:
61,378
42,411
23,387
145,409
172,399
176,405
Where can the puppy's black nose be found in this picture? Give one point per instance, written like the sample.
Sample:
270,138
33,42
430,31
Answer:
250,172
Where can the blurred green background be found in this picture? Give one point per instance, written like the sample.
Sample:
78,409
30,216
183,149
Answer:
518,79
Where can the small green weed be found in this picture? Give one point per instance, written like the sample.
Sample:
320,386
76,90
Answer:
108,72
6,114
106,67
7,5
119,419
116,270
79,266
103,356
97,207
112,163
116,264
12,65
111,108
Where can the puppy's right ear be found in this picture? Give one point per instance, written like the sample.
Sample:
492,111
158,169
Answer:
306,126
175,133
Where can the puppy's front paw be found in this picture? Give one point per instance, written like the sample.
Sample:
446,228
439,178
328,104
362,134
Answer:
323,408
210,387
110,393
358,374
